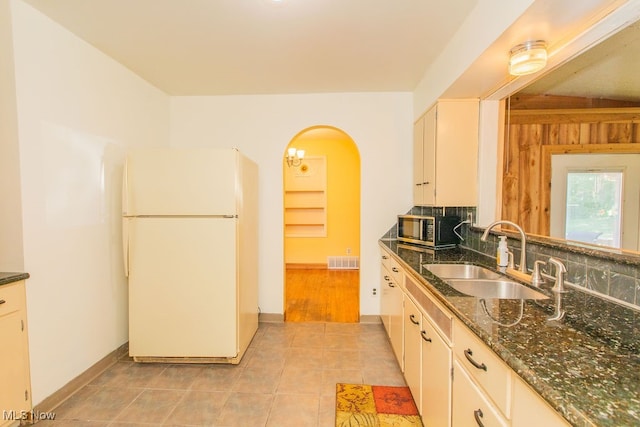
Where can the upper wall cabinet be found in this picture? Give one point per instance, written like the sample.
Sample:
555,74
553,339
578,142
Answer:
445,154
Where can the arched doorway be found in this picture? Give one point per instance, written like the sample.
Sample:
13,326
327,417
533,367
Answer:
322,227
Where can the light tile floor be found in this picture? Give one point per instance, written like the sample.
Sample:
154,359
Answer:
286,378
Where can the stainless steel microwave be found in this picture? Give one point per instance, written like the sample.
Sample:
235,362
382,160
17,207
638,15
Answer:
436,232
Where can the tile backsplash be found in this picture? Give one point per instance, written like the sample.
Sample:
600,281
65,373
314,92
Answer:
604,272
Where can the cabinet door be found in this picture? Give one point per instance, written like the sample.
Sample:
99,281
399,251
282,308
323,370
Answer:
413,349
436,377
429,157
396,334
418,162
456,153
470,407
386,289
14,366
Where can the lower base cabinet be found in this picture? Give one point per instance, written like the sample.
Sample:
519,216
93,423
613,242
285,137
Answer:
436,377
15,395
391,309
413,350
470,406
528,406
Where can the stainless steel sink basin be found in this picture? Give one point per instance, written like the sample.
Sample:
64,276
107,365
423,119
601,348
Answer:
499,289
461,271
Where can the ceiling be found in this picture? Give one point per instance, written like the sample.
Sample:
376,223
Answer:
608,70
224,47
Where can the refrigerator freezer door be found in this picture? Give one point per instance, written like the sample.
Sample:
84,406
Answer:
182,287
180,182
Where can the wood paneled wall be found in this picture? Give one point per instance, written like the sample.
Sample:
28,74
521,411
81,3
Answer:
532,136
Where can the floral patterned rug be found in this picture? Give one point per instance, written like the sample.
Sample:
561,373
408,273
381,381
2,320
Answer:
375,406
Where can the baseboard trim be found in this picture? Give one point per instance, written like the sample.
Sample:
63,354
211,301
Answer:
271,318
69,389
370,318
306,266
279,318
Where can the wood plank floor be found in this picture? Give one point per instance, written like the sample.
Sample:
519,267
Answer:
322,295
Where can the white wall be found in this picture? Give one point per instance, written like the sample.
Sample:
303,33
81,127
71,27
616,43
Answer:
77,111
261,126
11,212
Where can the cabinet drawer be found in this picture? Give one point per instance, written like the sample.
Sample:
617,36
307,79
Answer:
385,258
11,298
484,366
470,406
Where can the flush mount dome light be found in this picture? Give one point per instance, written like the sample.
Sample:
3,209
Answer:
527,58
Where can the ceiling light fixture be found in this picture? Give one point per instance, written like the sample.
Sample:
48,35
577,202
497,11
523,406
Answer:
294,157
528,58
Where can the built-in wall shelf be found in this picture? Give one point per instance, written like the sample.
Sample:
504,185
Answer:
305,199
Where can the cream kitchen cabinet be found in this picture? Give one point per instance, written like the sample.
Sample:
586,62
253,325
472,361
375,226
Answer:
15,389
528,406
428,355
436,377
471,408
486,369
445,154
413,350
391,304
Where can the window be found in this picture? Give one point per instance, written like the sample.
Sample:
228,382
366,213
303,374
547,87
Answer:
595,198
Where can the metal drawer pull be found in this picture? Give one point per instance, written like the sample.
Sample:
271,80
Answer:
2,301
468,353
387,278
413,319
424,336
395,270
391,285
477,414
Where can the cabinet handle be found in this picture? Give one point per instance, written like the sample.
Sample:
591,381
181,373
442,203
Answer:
424,336
468,353
2,301
426,183
384,257
477,414
395,270
418,184
386,277
391,285
412,317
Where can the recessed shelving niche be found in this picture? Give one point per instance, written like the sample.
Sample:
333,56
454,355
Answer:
305,199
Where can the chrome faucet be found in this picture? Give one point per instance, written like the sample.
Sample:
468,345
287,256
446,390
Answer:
558,288
523,241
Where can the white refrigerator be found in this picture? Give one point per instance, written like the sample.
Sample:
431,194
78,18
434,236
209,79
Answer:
190,253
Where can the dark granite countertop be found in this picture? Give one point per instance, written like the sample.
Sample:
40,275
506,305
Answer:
6,278
586,366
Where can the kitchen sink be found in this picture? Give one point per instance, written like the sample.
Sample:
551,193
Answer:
461,271
498,289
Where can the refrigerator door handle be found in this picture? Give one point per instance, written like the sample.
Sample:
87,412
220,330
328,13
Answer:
125,245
